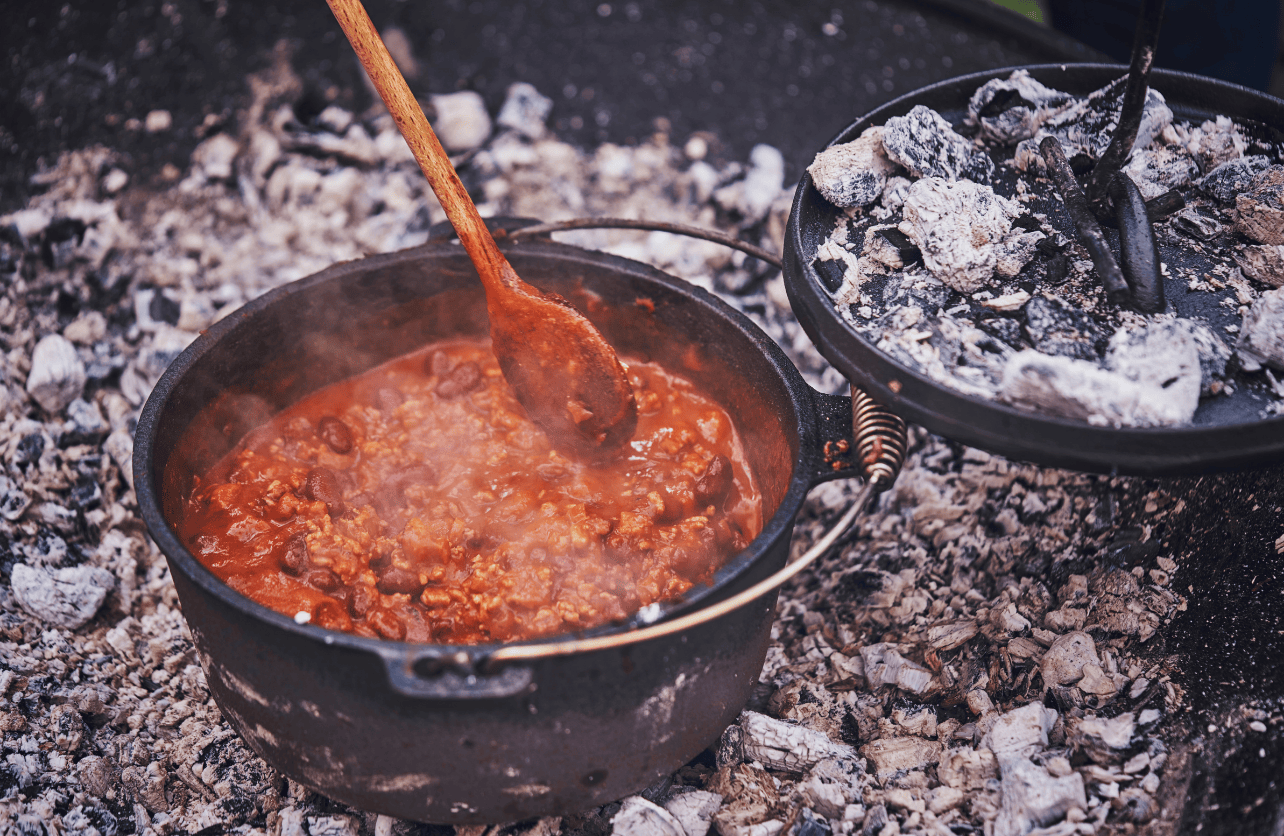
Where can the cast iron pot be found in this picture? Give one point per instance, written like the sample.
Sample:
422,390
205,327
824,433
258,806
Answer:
1227,432
476,734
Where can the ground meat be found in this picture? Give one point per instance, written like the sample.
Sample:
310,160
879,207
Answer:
417,502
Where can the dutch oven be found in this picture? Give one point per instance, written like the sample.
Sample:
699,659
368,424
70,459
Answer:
1227,432
471,734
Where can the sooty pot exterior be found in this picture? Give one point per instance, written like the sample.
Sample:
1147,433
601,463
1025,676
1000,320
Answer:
453,734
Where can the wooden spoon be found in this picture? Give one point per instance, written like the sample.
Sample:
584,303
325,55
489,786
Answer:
561,369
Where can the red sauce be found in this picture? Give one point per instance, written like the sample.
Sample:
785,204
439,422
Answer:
417,502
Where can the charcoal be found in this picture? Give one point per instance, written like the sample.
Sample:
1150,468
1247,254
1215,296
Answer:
831,272
1086,126
1157,170
639,817
1198,225
29,449
1031,797
693,809
1083,391
961,228
1261,342
1233,177
1162,354
928,146
779,745
853,173
891,247
1003,328
1010,109
1260,214
1055,328
57,375
1265,263
13,500
85,494
809,824
889,756
66,597
85,424
525,110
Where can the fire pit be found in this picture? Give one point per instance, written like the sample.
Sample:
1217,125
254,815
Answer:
107,719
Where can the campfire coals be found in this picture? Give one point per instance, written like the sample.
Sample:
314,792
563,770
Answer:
946,632
1204,213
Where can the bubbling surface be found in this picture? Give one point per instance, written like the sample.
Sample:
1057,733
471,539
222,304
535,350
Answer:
417,502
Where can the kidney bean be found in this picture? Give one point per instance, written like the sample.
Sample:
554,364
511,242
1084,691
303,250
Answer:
322,485
386,624
335,434
396,580
679,501
713,486
360,599
323,579
462,379
295,557
381,562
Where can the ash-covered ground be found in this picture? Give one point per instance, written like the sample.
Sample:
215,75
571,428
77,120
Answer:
997,648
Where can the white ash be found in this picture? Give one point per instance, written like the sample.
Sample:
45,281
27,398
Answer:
639,817
1011,109
888,658
462,122
66,597
1085,125
964,231
525,110
694,809
753,195
1216,142
1264,263
57,374
784,747
1164,168
1130,395
995,272
1261,343
1260,214
853,173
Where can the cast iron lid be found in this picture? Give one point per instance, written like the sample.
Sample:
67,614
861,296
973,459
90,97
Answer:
1228,432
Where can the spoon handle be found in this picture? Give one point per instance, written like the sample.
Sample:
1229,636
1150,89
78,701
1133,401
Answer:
433,161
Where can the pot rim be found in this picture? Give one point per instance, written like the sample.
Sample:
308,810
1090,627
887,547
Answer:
999,427
469,659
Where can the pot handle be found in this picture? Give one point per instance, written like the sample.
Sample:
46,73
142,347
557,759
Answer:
879,451
858,437
453,676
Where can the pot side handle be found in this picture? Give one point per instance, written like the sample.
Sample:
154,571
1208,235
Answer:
836,450
454,676
857,436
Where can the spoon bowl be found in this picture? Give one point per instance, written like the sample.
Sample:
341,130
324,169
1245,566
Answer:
566,376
